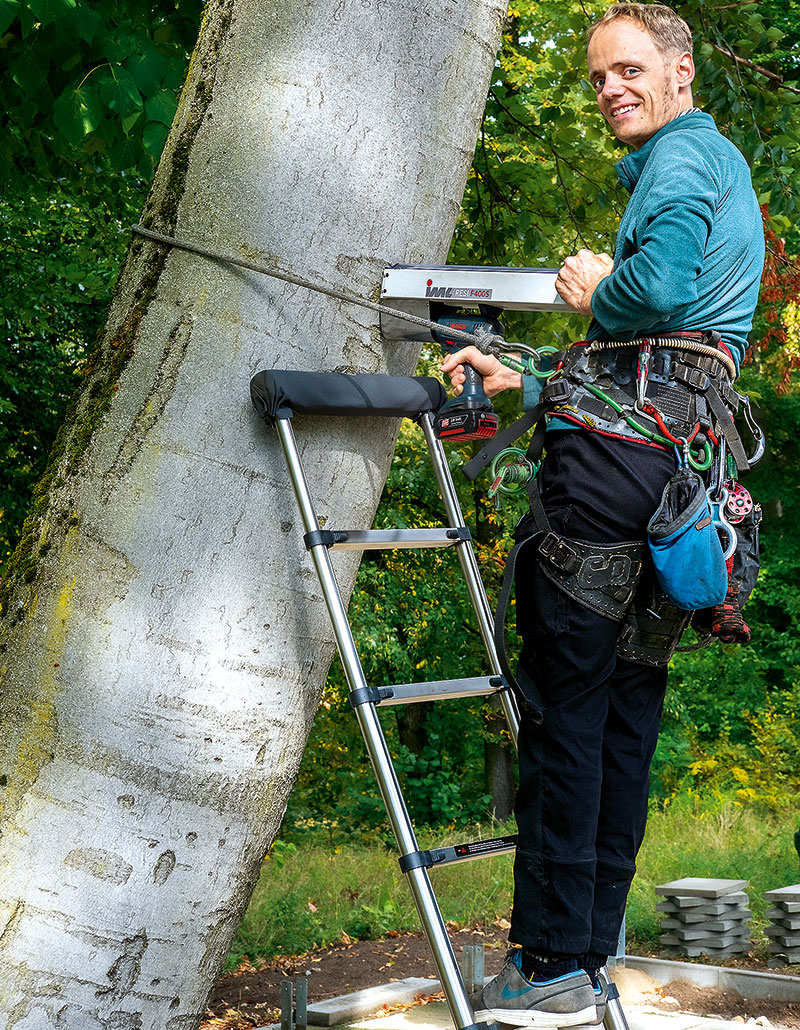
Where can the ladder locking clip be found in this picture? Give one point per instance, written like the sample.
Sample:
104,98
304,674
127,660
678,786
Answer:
328,537
370,695
460,533
421,860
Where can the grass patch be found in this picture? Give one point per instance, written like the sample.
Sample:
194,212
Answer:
308,895
686,838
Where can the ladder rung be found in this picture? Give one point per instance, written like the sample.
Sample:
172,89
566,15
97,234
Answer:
389,539
441,690
458,853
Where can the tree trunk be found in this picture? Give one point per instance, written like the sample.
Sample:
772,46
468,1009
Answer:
164,640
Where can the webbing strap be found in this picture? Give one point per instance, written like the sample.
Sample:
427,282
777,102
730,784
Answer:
500,642
502,440
727,428
537,508
556,391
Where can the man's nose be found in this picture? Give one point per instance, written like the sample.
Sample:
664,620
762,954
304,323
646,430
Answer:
612,86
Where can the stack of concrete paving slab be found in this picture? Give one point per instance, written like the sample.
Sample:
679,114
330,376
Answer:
784,928
704,917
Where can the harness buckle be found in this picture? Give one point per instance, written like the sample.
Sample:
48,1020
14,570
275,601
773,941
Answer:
557,390
558,552
599,571
694,377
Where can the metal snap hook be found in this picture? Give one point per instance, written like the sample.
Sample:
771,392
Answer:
755,429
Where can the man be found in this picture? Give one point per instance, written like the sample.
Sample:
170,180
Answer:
688,259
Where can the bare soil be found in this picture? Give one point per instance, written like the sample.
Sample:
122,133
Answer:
250,997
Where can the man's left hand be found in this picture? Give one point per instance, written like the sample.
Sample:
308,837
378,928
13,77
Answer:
579,276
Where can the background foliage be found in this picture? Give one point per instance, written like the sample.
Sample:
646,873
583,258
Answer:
88,91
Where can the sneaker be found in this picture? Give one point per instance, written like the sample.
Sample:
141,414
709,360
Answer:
600,988
600,998
509,998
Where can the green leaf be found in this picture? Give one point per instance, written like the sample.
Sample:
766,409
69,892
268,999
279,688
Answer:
27,75
129,120
77,112
86,22
154,137
162,107
9,9
125,154
119,92
147,69
47,11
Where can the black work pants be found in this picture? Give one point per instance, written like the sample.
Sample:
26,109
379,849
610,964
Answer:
584,769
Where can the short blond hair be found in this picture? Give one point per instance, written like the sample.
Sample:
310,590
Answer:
670,34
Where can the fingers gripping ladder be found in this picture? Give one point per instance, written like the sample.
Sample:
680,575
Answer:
277,396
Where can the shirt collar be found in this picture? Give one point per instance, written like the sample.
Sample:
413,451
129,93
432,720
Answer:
630,168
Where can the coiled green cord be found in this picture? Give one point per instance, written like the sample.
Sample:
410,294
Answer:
511,477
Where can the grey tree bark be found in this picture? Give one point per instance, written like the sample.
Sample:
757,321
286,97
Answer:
164,643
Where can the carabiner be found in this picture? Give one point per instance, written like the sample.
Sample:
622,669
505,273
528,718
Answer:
534,365
701,463
642,372
755,429
682,452
720,521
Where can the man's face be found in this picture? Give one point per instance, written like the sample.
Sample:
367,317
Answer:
638,91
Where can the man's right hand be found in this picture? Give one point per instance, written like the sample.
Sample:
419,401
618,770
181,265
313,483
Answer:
496,376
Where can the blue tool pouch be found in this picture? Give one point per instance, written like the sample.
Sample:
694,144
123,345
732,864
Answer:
685,547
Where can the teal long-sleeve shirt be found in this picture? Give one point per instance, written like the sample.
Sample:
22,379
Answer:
690,248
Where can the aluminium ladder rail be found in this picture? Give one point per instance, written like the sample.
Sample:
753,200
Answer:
365,699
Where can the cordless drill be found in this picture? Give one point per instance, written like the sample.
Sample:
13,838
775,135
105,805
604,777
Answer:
470,416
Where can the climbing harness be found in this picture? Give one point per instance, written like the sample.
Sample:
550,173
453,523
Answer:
673,392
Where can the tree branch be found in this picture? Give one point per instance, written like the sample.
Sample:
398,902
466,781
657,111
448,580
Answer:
773,76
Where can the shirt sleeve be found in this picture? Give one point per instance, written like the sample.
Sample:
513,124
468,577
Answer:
531,391
661,254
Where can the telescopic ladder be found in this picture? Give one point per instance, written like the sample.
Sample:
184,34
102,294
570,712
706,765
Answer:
277,396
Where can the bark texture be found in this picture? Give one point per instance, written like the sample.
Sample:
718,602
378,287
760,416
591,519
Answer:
164,643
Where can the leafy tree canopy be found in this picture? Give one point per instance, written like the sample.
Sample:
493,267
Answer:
89,84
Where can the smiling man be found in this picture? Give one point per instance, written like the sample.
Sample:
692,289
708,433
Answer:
670,315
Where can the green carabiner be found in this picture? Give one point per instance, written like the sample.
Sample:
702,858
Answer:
546,349
701,464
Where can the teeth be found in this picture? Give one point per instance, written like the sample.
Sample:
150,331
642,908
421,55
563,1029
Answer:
624,110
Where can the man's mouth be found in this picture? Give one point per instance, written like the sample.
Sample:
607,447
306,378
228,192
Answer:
618,112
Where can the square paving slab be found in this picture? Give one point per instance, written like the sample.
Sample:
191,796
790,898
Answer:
782,918
782,894
703,887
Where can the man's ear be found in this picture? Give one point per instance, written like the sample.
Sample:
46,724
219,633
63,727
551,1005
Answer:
684,70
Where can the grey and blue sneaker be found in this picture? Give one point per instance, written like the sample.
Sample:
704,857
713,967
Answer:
600,988
509,998
600,997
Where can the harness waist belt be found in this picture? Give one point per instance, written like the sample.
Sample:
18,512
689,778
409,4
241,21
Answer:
602,577
691,392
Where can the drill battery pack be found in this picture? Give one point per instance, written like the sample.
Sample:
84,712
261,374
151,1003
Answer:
470,424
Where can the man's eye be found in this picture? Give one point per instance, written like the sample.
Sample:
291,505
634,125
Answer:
598,84
631,71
